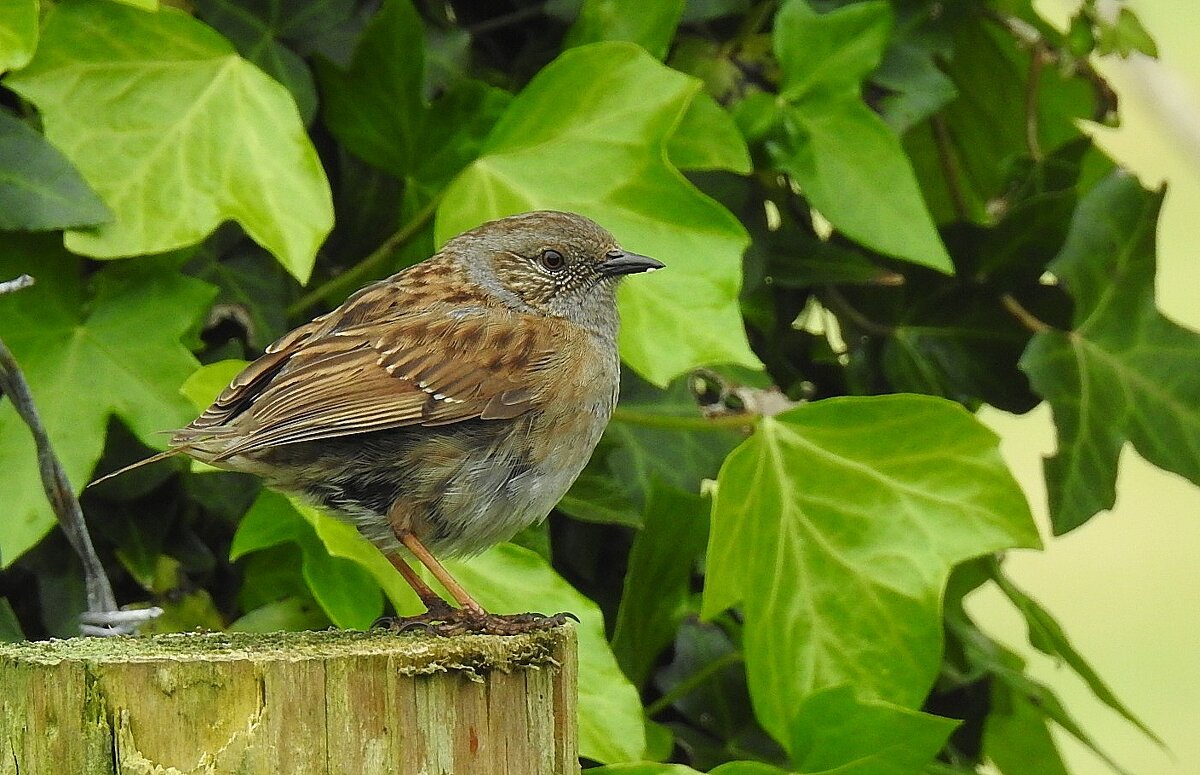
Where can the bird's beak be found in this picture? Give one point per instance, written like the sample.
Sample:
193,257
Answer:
620,262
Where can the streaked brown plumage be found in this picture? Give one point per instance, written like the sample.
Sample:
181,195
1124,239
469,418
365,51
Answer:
448,406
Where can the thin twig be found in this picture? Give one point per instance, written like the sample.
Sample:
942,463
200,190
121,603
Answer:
684,423
1024,316
840,304
504,20
102,604
1037,61
353,277
945,151
693,682
1028,36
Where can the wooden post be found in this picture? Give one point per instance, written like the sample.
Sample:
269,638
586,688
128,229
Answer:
319,703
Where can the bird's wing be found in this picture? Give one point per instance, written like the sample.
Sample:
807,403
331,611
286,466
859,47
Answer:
431,368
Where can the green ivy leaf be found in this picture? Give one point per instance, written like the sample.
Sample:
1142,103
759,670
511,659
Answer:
1012,687
289,614
706,685
39,189
650,25
253,289
111,347
658,580
1047,636
982,132
511,579
835,732
707,138
348,594
206,382
1125,372
261,28
454,131
855,509
1123,36
918,87
375,106
603,154
377,110
176,132
644,768
836,147
18,33
1016,736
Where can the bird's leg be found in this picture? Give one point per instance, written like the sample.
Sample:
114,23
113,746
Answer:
436,607
442,618
440,573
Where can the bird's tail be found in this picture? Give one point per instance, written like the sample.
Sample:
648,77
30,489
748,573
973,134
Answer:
139,464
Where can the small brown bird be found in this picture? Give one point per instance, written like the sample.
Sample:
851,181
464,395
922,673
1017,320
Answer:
444,408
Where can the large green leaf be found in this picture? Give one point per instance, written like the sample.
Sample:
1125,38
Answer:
90,351
1125,372
176,132
18,32
39,189
836,525
650,25
836,147
603,154
834,732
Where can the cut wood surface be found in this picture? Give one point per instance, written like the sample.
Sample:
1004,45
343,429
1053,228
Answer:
295,703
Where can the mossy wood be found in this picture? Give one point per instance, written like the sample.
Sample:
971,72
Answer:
299,703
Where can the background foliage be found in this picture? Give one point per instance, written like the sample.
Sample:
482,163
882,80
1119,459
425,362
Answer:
877,217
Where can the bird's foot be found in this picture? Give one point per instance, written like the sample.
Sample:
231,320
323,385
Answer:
448,622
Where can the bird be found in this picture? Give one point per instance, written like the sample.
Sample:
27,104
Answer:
445,408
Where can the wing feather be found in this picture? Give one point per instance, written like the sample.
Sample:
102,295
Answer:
430,368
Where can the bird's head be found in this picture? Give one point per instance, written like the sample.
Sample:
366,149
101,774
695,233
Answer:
549,262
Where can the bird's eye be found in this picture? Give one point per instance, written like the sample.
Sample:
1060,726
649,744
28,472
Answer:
552,260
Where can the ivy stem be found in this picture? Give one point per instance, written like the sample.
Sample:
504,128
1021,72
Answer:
1028,36
945,153
354,276
839,303
692,682
1038,58
683,423
1024,316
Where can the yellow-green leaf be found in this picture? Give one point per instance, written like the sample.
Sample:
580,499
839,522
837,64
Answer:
176,132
